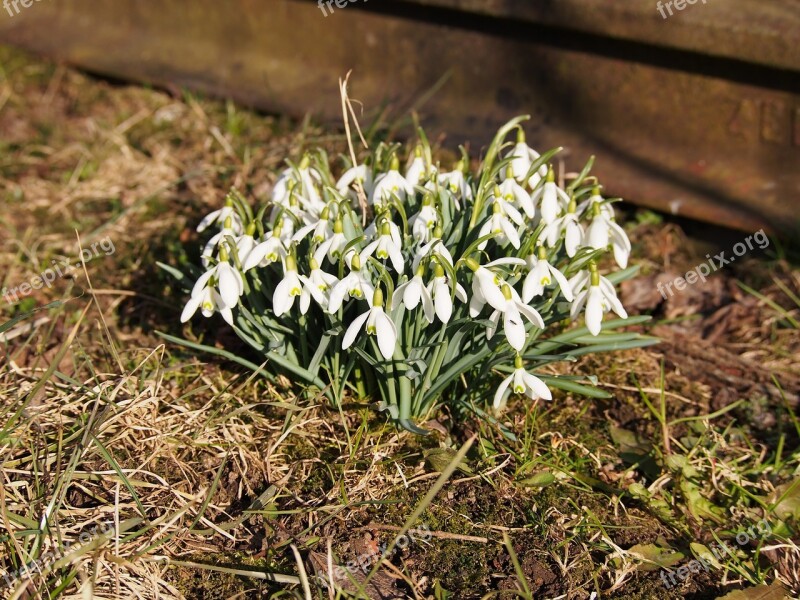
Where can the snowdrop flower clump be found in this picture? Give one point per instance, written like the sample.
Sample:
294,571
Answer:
410,283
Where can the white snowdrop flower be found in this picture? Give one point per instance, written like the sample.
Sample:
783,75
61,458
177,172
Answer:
512,314
218,239
599,298
587,206
246,243
289,287
226,213
440,291
322,229
361,174
283,187
271,250
510,193
302,183
290,216
602,231
550,198
309,193
542,274
486,285
569,226
334,246
356,284
578,282
434,248
385,247
523,383
317,285
208,300
502,224
456,183
412,292
423,223
417,170
522,159
389,184
371,232
378,324
217,290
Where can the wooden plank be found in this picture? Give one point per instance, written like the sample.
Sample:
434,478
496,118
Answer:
751,31
686,142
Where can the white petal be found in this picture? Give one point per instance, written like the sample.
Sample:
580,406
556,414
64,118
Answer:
619,233
442,301
531,288
514,328
490,290
511,233
577,305
386,334
536,387
508,260
485,230
256,255
397,258
338,293
191,307
476,305
531,314
209,219
227,314
573,238
578,282
368,251
513,214
427,305
494,321
229,285
594,310
399,296
352,331
597,235
620,255
303,232
562,282
283,299
500,394
200,285
305,301
615,304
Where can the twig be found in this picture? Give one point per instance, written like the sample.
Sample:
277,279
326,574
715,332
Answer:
346,104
